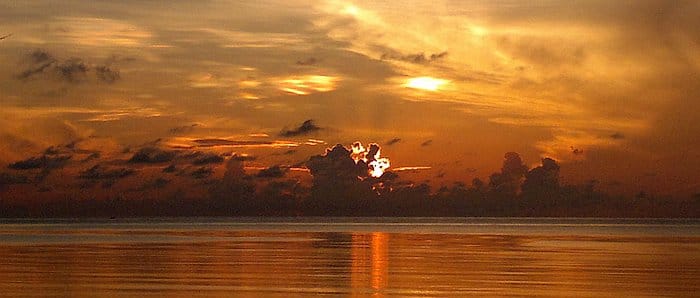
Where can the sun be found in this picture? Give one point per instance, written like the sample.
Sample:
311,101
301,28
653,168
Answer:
425,83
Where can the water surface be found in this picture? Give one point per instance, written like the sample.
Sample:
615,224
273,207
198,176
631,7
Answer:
357,257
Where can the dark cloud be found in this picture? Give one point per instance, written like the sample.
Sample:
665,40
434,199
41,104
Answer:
183,129
170,169
92,156
99,172
305,128
5,36
107,74
508,180
159,182
242,157
41,64
8,178
202,172
272,172
393,141
53,150
542,179
202,158
72,70
308,61
152,155
38,62
336,166
576,151
427,143
617,136
42,162
418,58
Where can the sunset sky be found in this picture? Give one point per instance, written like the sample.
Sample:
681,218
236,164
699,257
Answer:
609,89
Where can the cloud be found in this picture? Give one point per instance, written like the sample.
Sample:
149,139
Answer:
542,179
72,70
427,143
152,155
202,158
576,151
170,169
272,172
159,182
8,178
305,128
39,60
306,84
183,129
5,36
617,136
202,172
99,172
107,74
42,162
393,141
418,58
336,166
41,64
507,181
219,142
243,157
92,156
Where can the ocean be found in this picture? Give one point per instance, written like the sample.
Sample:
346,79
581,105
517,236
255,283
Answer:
407,257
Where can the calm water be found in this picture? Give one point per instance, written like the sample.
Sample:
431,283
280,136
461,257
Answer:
349,257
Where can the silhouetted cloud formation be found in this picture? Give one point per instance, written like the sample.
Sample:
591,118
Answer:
183,129
305,128
244,157
38,61
9,178
152,155
272,172
508,180
202,158
159,182
107,74
5,36
542,179
92,156
427,143
414,58
72,70
170,169
393,141
98,172
336,166
41,63
41,162
202,172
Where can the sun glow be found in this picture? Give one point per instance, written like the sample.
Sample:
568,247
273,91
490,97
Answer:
425,83
371,156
